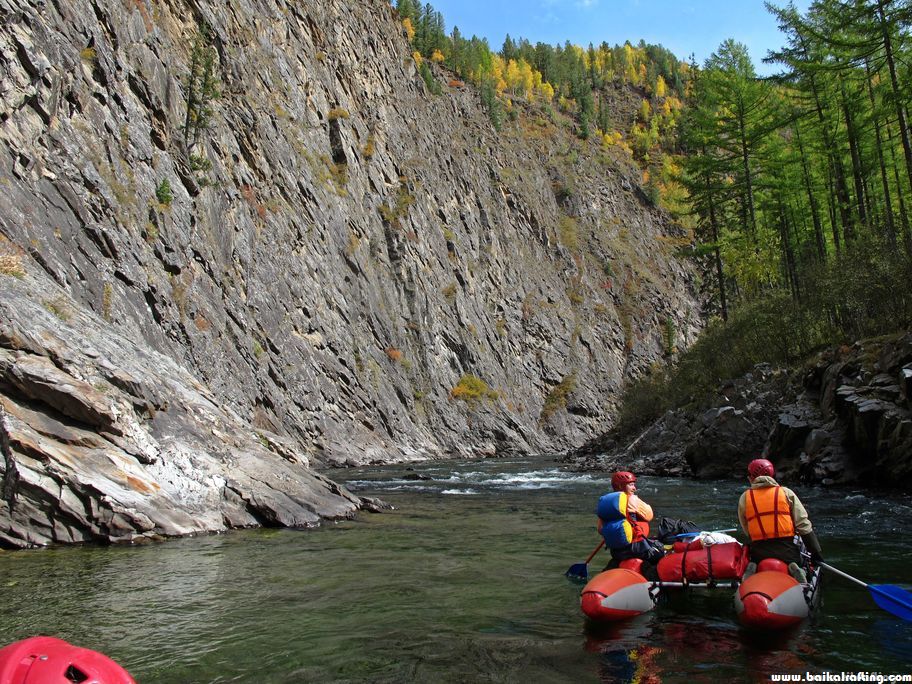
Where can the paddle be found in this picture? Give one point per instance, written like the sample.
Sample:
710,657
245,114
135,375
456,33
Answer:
581,570
891,598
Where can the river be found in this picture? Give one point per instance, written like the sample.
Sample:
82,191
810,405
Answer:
462,582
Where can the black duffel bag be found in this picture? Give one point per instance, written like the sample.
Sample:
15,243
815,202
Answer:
671,529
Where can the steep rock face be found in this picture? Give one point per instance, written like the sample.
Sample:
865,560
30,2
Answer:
844,419
854,422
102,440
320,271
715,440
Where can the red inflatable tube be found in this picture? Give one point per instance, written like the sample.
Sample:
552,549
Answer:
773,599
616,594
46,660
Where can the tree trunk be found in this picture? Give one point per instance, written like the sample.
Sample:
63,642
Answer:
787,254
897,95
831,199
903,216
812,198
749,190
889,225
829,141
720,277
856,163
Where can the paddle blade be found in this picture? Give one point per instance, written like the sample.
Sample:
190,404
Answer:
578,571
893,599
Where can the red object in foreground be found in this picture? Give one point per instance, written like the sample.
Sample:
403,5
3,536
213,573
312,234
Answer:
46,660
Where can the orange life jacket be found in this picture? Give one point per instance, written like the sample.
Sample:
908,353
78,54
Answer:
769,515
640,526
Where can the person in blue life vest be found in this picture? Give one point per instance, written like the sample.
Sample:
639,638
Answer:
774,518
623,522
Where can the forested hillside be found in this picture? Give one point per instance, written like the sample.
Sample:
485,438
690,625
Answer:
799,191
794,191
786,182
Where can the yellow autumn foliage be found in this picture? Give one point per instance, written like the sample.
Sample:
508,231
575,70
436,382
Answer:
409,28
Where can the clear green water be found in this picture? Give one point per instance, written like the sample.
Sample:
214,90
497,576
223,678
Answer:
463,582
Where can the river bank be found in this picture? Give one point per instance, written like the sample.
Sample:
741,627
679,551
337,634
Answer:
844,417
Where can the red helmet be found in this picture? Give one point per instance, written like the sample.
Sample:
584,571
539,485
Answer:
42,660
621,479
760,466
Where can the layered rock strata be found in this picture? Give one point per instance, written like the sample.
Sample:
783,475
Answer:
210,285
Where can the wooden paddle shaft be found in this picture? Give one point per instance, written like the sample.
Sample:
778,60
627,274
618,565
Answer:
592,555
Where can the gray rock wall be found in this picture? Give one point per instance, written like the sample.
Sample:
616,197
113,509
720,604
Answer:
844,418
854,422
340,250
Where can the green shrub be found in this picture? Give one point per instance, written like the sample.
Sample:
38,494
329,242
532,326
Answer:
575,294
202,87
860,294
394,214
568,232
429,79
669,334
643,400
370,147
199,163
563,190
163,193
557,397
492,104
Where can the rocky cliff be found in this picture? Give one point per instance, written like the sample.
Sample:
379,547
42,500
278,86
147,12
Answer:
842,418
238,238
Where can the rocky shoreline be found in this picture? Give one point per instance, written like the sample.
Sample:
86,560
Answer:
103,441
843,418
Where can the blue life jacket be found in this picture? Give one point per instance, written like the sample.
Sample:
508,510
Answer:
617,528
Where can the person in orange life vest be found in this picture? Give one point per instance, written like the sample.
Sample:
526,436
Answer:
623,521
772,515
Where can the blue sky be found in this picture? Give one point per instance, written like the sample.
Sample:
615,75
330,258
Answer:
683,26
